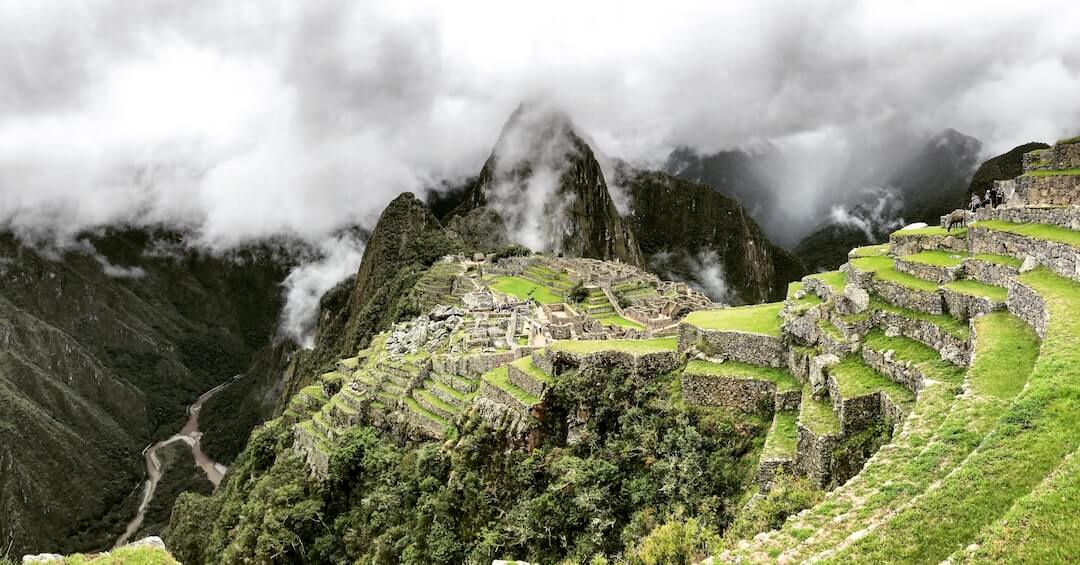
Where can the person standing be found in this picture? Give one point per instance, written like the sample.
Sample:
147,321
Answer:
975,202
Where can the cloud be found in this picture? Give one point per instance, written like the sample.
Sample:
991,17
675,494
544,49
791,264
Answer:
305,285
249,118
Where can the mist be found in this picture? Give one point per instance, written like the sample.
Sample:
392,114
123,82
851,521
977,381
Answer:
244,119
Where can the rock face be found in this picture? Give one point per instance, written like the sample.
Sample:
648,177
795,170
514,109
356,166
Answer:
547,187
1002,167
690,232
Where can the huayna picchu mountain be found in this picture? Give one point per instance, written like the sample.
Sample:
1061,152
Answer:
917,405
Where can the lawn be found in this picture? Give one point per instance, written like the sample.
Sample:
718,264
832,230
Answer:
500,378
855,378
998,260
835,279
916,353
1036,231
932,230
871,264
976,288
903,279
937,258
523,289
783,436
945,322
613,319
525,365
635,346
1053,173
760,319
818,415
879,250
783,379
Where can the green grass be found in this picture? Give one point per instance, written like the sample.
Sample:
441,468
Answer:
932,230
800,305
835,279
436,401
818,415
976,288
783,436
500,378
414,406
855,378
1068,140
1029,442
635,346
916,353
871,264
879,250
1053,173
937,258
614,319
945,322
1036,231
446,389
760,319
906,280
523,289
998,259
122,556
783,379
525,365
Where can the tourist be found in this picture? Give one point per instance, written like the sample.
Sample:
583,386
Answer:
975,202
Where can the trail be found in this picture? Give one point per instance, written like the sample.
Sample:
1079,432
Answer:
190,435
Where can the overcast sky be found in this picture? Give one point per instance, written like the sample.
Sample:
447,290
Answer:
246,118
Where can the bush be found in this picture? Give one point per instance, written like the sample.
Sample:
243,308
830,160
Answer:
676,542
788,496
512,250
578,293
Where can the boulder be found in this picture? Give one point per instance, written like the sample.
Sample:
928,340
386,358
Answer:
818,379
1029,264
856,300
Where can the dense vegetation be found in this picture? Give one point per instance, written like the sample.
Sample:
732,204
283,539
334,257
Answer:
645,462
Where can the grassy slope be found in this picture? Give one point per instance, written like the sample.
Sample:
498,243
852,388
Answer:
1036,231
523,289
855,378
783,435
818,415
976,288
782,378
1032,438
761,319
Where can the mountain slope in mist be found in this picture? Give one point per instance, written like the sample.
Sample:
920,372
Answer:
101,350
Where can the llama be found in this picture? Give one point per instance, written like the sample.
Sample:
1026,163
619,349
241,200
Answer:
956,218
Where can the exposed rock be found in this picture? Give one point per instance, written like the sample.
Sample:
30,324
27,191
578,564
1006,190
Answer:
818,377
1030,264
856,300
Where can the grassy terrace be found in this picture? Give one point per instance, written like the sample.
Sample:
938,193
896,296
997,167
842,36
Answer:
871,264
937,258
783,435
500,378
976,288
523,289
801,304
879,250
414,406
760,319
946,323
998,259
835,279
905,280
923,356
932,230
1053,173
635,346
123,555
525,364
782,379
614,319
1044,232
446,389
855,378
817,415
1031,440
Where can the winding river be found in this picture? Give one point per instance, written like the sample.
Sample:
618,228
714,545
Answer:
190,435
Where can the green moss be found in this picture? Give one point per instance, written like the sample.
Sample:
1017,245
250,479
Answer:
635,346
500,378
937,258
525,364
783,435
998,259
931,230
835,279
783,379
855,378
871,264
1053,173
976,288
1044,232
761,319
879,250
817,415
524,289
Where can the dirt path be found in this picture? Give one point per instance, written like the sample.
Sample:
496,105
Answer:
190,435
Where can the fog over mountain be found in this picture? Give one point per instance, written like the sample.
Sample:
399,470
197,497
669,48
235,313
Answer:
245,119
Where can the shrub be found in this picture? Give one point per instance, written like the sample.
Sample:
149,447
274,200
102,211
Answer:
578,293
676,542
512,250
788,496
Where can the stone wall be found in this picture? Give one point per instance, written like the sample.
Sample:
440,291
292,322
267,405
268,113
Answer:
555,362
306,445
798,363
908,244
934,273
963,306
951,348
525,381
1026,304
989,273
1054,190
1067,217
472,365
747,395
788,400
899,371
1060,156
1058,257
769,469
814,456
929,302
814,285
756,349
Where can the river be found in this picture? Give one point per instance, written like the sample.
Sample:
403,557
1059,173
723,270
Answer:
188,434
